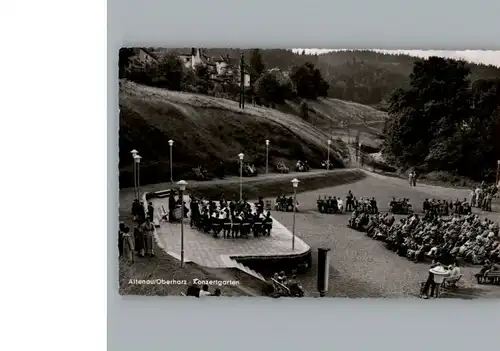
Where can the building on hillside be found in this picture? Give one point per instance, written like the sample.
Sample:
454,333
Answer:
223,68
195,58
143,55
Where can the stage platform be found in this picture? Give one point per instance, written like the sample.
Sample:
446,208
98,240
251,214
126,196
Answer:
205,250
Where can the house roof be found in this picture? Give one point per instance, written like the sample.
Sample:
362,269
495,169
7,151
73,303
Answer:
149,53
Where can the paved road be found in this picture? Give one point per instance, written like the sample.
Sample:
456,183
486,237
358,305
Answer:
361,266
127,194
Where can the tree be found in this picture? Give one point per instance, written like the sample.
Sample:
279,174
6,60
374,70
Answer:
141,72
256,64
267,89
441,123
308,81
169,73
124,56
273,87
203,83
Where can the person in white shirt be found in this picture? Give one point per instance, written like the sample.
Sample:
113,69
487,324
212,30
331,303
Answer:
204,291
454,270
340,203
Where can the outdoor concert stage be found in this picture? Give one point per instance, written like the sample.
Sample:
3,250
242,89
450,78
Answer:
207,251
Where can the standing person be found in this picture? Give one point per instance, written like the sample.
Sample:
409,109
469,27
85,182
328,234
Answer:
410,178
340,204
472,198
135,209
415,178
349,199
151,211
141,215
139,240
120,238
171,205
148,229
430,282
195,210
128,245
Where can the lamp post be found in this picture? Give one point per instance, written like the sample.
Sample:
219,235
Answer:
241,155
328,159
137,160
267,156
360,155
295,183
323,271
182,186
134,153
171,143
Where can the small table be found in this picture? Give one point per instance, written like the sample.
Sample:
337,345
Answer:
439,273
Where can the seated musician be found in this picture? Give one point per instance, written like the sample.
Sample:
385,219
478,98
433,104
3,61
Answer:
246,223
195,210
277,203
212,206
215,223
268,224
237,219
232,206
206,220
225,220
260,203
258,223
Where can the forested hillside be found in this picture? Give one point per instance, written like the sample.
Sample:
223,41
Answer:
362,76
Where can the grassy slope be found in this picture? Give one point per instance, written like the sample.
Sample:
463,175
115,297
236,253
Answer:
330,113
209,130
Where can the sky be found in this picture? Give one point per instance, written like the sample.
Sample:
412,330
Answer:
488,57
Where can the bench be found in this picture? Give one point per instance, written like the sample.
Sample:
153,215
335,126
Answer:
451,282
491,277
281,288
